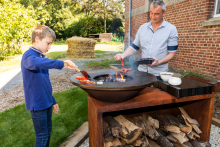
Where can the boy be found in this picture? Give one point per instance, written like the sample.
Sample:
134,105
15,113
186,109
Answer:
36,83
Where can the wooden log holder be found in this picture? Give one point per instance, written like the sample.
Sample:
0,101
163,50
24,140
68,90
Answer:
150,100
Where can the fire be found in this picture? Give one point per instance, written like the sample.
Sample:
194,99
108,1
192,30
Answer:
122,76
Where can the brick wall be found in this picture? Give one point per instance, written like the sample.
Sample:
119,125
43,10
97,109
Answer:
199,47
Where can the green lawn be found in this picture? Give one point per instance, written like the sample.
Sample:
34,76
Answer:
56,55
103,63
16,127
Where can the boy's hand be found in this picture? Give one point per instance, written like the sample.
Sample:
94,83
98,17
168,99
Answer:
69,65
55,108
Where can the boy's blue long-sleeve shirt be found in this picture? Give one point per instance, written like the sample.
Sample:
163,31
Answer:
36,82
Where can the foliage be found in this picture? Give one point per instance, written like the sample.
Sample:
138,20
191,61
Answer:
115,38
15,27
56,55
17,128
85,26
94,25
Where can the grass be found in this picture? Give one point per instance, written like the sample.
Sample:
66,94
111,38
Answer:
16,127
59,42
103,63
56,55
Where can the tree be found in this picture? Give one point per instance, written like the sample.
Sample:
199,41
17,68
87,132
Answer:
16,26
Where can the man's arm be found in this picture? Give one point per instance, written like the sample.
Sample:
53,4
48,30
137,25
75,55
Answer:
166,59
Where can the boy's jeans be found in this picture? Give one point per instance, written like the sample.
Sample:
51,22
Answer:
43,126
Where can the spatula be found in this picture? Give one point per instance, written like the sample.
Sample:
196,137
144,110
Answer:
84,73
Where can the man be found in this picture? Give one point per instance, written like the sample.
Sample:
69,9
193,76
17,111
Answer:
158,39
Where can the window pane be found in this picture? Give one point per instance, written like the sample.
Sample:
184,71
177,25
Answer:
218,7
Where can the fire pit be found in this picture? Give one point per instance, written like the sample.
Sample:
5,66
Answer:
115,89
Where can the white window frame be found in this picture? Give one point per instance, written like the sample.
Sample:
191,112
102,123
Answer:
216,4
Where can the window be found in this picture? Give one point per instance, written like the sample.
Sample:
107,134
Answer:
217,8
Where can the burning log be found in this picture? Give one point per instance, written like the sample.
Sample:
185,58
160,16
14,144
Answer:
114,125
133,130
106,132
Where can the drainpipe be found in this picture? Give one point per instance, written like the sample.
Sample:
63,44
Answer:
129,30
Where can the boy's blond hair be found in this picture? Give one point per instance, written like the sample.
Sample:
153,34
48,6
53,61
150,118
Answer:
42,31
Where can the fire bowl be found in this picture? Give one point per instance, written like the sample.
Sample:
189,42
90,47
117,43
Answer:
115,92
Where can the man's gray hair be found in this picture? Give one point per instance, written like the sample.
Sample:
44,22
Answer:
159,3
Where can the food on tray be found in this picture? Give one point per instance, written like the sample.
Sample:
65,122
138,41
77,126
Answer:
125,70
80,78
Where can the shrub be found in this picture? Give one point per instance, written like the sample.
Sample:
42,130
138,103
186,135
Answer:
16,27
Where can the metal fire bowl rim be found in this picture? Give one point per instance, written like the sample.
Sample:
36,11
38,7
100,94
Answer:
140,80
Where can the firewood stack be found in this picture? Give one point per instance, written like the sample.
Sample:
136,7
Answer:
155,130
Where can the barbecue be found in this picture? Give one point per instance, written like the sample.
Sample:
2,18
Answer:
114,86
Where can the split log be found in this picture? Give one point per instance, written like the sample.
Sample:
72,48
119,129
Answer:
133,130
171,138
138,142
145,142
163,141
114,125
181,119
195,143
193,122
172,120
108,144
150,131
186,129
152,143
163,121
181,137
188,144
139,123
124,131
177,144
152,122
172,128
162,131
193,135
106,132
116,142
123,143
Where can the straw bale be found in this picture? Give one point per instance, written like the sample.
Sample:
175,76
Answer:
79,47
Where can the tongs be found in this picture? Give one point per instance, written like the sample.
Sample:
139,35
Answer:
84,73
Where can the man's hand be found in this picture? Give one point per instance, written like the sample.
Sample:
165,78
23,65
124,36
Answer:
55,108
69,65
118,57
156,62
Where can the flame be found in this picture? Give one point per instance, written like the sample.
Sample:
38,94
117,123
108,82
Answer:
122,76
